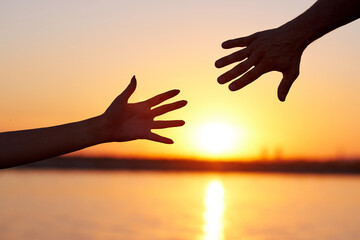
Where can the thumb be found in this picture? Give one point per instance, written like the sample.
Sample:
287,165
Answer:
125,95
286,83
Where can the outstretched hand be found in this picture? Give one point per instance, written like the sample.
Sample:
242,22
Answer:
130,121
262,52
122,121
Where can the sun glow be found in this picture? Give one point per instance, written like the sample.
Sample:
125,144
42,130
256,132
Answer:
214,204
217,138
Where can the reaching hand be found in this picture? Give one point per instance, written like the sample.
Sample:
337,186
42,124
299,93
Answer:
271,50
122,121
130,121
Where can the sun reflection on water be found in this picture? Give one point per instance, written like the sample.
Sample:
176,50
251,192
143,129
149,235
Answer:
213,216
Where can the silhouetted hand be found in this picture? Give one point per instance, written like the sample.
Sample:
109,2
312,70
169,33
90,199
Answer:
130,121
262,52
280,49
122,121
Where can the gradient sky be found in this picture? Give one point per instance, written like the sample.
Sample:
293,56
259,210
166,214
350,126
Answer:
64,61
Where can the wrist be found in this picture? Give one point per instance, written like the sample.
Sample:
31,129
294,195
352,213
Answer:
98,129
297,36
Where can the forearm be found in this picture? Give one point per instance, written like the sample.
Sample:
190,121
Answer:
321,18
21,147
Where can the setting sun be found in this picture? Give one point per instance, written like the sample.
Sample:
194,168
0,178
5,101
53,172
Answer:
217,137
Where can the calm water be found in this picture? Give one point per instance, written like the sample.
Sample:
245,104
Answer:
154,205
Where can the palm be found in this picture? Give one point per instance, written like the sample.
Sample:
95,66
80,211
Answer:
262,52
130,121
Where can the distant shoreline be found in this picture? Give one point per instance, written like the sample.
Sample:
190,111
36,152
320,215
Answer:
260,166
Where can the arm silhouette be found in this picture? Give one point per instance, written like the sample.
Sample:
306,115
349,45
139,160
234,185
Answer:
122,121
280,49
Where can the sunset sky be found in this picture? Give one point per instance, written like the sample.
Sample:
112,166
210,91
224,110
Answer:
65,61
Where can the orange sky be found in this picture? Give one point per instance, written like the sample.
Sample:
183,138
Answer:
62,61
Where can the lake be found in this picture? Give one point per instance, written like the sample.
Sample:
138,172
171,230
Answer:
51,204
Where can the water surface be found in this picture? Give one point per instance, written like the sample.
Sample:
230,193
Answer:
161,205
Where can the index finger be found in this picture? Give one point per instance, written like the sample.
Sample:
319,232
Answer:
162,97
238,42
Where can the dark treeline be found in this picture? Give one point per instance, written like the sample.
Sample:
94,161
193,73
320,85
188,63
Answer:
290,166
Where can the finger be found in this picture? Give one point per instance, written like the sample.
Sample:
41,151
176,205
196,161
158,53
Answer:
247,78
238,70
168,108
238,42
234,57
167,124
286,83
125,95
157,138
162,97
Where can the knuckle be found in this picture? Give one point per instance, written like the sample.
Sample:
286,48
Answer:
249,76
255,58
269,63
256,35
238,55
146,105
232,73
240,69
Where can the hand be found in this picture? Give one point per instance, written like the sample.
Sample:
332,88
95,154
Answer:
271,50
130,121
